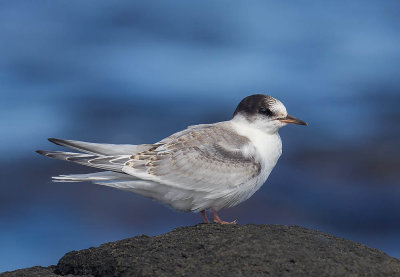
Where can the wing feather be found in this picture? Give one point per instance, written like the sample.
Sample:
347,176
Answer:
205,158
101,148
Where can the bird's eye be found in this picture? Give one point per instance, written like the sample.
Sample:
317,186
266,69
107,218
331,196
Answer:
265,111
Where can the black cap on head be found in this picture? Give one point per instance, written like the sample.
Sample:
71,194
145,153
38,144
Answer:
256,104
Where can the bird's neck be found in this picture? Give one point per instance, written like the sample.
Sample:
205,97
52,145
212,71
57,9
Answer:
265,146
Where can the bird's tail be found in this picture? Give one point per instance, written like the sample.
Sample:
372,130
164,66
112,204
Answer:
112,163
110,157
102,176
104,149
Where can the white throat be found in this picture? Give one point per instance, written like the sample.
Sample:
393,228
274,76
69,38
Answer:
265,147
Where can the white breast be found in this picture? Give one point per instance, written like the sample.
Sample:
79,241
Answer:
266,148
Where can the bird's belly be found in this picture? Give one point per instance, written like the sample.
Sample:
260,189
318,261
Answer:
240,193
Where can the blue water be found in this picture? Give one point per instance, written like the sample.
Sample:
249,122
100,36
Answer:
123,72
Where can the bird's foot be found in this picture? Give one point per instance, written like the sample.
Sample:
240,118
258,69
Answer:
216,219
225,222
203,213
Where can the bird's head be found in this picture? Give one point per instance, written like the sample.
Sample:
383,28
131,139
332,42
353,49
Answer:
265,113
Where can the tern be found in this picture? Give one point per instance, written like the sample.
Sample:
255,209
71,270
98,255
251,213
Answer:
205,167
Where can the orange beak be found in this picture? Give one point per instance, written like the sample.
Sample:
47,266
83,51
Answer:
292,120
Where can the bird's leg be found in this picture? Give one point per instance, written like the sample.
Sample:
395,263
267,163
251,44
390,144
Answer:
203,213
216,219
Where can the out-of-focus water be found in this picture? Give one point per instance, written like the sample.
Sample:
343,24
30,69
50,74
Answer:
123,72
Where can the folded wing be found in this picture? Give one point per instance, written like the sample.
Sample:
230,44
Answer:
203,159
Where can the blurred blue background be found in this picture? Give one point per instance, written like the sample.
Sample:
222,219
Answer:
137,71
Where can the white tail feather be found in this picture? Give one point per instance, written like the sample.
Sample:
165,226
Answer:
102,176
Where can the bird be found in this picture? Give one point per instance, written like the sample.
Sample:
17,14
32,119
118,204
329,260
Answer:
204,167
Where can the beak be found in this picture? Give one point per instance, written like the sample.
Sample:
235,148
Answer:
292,120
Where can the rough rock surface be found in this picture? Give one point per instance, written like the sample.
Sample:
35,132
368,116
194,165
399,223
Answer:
225,250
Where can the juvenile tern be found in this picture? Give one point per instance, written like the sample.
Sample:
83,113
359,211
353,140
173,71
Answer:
204,167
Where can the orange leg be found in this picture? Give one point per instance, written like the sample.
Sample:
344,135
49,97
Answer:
203,213
216,219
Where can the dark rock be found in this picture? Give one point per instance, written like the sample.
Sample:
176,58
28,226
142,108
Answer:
229,250
36,271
